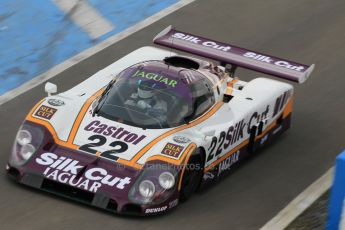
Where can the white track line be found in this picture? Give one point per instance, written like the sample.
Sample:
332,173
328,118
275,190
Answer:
89,52
300,203
85,16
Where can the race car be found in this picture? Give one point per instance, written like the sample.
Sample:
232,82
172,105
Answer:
154,127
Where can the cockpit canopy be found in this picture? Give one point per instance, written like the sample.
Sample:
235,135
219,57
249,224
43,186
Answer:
156,95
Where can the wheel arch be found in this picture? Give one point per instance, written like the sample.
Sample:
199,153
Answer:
203,155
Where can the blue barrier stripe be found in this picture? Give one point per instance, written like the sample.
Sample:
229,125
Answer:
36,35
337,194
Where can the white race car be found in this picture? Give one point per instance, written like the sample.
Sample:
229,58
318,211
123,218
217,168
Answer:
149,130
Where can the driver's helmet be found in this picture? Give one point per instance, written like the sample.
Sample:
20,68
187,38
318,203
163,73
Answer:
146,89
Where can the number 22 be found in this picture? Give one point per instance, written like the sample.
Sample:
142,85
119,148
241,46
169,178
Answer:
119,147
213,145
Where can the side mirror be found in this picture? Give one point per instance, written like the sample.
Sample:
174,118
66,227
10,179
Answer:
94,104
50,88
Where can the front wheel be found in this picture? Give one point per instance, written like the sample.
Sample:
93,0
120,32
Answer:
192,175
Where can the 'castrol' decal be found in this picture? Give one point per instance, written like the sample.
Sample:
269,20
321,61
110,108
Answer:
66,170
117,133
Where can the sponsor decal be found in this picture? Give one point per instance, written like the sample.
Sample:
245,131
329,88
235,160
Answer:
228,162
267,59
181,139
118,133
234,134
172,150
156,77
257,117
155,210
208,175
280,102
45,112
173,203
207,43
56,102
69,171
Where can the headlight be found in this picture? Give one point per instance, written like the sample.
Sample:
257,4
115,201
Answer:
24,137
29,138
147,189
155,184
27,151
166,180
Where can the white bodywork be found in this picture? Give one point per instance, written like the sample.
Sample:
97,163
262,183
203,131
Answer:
257,96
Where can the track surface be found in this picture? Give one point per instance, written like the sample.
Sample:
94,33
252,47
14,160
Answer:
310,31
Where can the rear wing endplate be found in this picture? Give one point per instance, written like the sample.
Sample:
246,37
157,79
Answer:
233,55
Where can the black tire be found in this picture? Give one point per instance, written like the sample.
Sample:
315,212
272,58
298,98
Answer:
192,175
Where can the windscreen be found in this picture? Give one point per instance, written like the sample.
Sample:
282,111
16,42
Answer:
154,97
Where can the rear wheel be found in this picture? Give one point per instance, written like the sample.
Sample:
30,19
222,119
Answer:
192,175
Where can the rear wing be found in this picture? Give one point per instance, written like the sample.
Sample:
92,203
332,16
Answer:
233,55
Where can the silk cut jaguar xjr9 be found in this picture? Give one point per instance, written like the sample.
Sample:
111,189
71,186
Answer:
149,130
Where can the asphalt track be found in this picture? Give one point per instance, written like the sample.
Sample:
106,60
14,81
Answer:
310,31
